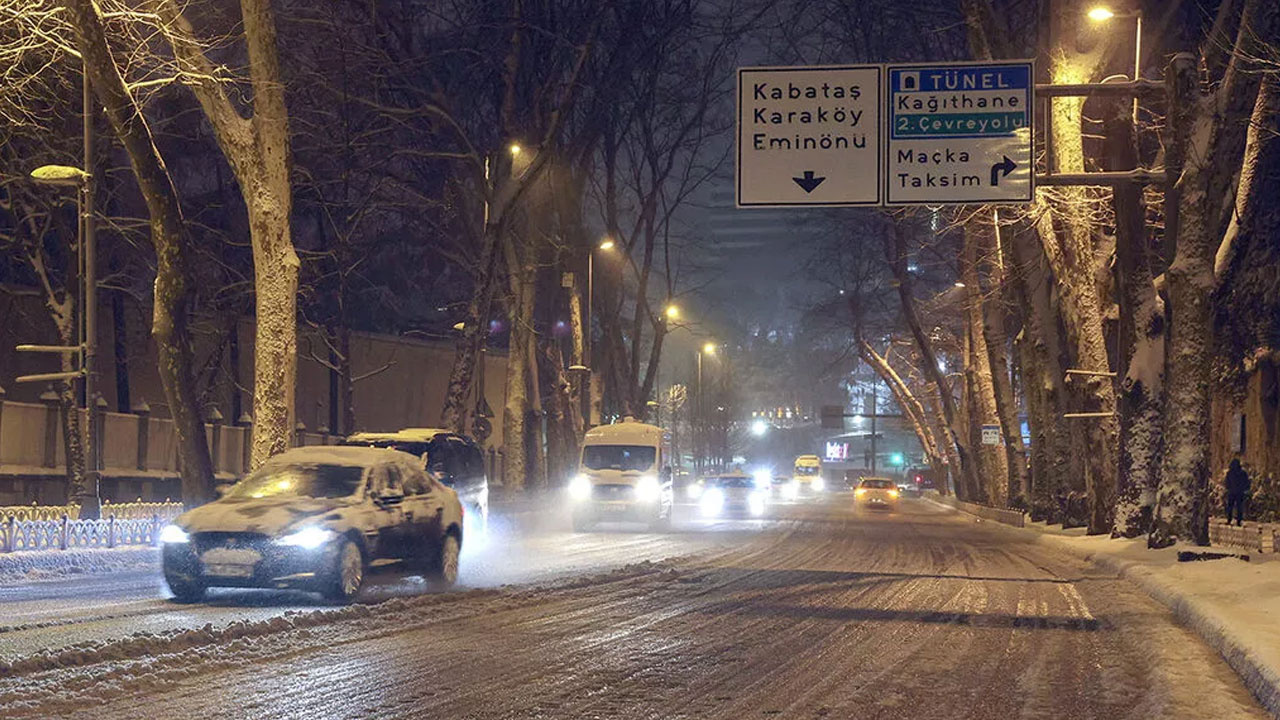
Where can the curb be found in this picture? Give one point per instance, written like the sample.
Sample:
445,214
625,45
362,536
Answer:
1261,679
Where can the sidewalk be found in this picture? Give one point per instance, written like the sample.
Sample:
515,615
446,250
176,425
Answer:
1233,605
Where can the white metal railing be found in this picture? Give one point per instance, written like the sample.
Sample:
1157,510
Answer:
121,511
1254,536
65,533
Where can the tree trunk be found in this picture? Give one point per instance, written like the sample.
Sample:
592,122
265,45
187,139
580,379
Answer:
173,284
903,396
1141,352
346,383
983,409
516,411
120,351
68,409
995,281
1210,133
895,244
475,328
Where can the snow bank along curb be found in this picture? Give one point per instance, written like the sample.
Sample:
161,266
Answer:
24,566
1209,622
1015,518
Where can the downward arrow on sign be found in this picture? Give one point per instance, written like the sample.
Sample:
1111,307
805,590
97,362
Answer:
808,182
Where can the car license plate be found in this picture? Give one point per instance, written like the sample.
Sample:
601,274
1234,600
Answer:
615,509
232,571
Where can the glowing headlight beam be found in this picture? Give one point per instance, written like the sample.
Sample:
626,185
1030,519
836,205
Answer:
173,535
308,538
712,502
648,489
580,488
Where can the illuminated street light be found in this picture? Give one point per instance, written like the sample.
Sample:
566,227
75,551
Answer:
959,284
1100,13
709,349
515,149
673,312
606,244
759,427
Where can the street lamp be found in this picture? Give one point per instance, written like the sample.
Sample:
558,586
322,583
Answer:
515,149
708,348
1101,14
673,312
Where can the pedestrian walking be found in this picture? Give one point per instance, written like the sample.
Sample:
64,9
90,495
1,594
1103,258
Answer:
1237,482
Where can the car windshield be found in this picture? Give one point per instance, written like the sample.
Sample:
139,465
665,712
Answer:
806,470
878,484
618,457
300,480
730,481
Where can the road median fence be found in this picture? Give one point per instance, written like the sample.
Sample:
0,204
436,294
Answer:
59,528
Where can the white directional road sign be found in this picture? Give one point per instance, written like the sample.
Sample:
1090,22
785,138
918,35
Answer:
959,133
990,434
809,136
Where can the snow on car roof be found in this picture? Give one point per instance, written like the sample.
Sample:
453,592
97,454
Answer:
407,434
627,432
341,455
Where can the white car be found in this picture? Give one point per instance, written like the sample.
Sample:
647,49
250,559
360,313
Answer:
315,518
731,494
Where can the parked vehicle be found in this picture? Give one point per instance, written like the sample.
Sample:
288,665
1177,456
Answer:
453,459
314,518
624,475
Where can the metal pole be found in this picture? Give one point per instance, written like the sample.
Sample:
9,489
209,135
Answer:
89,504
588,360
697,431
1137,67
873,429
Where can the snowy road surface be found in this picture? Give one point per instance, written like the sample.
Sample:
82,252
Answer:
824,612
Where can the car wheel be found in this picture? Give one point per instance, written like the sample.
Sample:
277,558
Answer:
347,575
185,590
445,573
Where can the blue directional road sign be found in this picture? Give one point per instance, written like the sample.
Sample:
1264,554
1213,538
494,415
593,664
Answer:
959,133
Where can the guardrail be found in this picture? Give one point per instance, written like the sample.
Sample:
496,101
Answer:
1253,536
121,511
67,534
1016,518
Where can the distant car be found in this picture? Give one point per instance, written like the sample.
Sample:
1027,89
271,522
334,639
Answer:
314,518
878,493
731,494
453,459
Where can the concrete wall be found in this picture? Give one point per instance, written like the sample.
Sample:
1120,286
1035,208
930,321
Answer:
405,388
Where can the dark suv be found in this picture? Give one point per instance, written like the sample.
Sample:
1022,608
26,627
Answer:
453,459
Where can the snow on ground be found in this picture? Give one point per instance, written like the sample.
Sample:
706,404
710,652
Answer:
825,612
26,566
1232,604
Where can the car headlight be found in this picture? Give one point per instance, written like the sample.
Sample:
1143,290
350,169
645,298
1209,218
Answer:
308,538
694,491
893,493
756,503
580,487
818,484
173,535
712,501
860,492
648,489
763,479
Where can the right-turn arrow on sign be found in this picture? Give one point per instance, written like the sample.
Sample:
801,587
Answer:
959,133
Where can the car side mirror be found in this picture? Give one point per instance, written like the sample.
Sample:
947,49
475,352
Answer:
222,489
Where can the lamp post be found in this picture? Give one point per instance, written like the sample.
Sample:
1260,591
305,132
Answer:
1102,14
700,431
83,181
